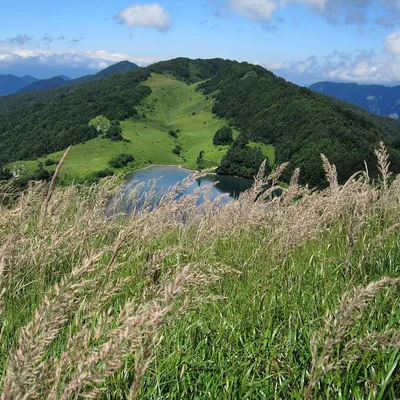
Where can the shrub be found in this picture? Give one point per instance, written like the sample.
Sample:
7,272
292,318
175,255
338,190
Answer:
223,136
172,134
114,132
121,160
40,174
49,162
96,176
177,150
5,174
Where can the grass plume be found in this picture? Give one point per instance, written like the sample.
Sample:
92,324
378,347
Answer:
222,300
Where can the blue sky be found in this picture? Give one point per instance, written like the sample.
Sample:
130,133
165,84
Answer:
301,40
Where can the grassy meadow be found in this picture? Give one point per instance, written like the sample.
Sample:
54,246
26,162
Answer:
295,297
173,105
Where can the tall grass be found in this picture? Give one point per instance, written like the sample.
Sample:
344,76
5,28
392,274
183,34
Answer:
265,297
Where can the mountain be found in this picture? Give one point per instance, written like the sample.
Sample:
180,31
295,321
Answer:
118,68
10,84
44,84
29,79
60,80
36,68
378,99
66,78
269,112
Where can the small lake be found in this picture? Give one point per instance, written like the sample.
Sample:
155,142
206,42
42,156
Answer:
162,178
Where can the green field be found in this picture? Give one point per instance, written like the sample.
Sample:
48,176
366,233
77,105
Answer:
173,105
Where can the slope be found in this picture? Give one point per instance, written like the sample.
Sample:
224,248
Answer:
51,120
54,119
118,68
301,124
44,84
172,106
10,84
378,99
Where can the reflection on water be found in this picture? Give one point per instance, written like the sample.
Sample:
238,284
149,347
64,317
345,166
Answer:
159,180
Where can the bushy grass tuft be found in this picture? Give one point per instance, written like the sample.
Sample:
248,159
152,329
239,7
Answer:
264,297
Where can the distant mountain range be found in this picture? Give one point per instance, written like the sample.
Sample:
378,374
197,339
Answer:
378,99
45,84
11,84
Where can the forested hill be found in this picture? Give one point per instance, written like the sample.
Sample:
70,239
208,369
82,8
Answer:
378,99
118,68
10,84
299,123
39,123
44,84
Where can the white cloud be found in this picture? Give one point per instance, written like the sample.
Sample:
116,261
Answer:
360,66
92,59
20,39
392,44
256,10
335,11
147,15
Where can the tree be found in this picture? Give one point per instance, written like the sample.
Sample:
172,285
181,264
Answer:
177,150
121,160
114,133
242,161
200,160
223,136
100,123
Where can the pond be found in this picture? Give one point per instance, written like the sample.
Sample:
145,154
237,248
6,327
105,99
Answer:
162,178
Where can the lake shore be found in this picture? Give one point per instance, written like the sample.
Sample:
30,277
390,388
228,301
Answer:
211,172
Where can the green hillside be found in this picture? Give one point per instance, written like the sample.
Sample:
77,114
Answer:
169,107
300,124
291,123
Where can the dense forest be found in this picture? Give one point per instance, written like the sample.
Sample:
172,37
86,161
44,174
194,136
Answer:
299,123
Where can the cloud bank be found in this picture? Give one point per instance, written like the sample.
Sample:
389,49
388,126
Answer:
360,66
90,60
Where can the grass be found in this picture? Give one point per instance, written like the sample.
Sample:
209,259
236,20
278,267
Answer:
170,107
294,297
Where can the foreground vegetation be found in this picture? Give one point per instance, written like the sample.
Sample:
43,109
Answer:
262,298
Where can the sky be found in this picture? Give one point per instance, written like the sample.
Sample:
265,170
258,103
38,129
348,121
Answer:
304,41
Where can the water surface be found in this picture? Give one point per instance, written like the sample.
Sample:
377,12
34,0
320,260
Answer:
162,178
